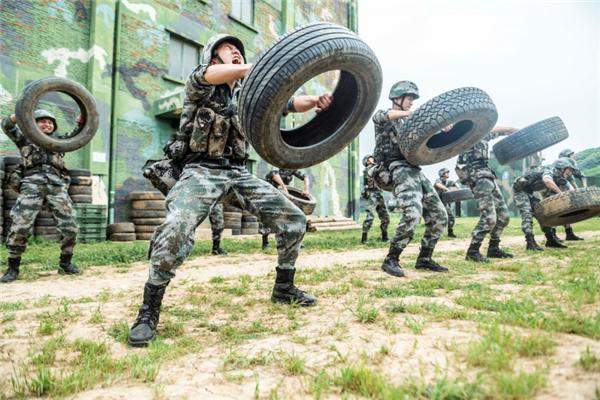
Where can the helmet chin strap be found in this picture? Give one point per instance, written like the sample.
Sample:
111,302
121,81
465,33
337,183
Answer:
400,105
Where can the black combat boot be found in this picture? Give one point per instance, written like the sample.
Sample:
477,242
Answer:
265,242
384,235
424,261
531,243
391,265
217,250
451,233
473,253
66,266
494,250
571,235
284,290
364,237
143,330
552,240
12,272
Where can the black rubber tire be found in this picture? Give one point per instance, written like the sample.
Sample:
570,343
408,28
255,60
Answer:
146,195
45,230
569,207
148,213
28,103
121,227
249,225
143,235
249,218
81,180
122,237
293,60
249,231
305,203
145,228
80,172
453,196
81,199
148,221
531,139
472,112
148,205
11,160
80,190
45,222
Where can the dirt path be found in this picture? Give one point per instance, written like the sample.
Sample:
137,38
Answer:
202,269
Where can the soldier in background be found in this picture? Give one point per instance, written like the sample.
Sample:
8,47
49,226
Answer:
375,203
442,184
45,178
473,169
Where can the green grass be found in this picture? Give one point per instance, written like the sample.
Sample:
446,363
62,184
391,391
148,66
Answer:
589,361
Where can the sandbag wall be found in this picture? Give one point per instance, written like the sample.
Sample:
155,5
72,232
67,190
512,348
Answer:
148,211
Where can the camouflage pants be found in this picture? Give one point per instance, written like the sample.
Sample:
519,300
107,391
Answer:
450,212
34,190
526,202
190,201
415,198
492,210
376,204
217,223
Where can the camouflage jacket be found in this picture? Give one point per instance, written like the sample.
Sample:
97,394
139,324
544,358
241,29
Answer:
446,182
286,176
369,184
475,161
533,181
386,139
34,158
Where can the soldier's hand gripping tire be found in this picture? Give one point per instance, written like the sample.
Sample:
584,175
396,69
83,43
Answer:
28,103
296,58
569,207
306,203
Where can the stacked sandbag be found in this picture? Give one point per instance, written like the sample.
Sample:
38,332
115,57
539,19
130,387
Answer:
9,196
232,218
80,189
249,224
121,232
148,211
91,220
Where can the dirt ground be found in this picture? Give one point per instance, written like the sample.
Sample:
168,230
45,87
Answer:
246,347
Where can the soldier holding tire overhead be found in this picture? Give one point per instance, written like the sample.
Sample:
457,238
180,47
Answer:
45,179
413,191
213,149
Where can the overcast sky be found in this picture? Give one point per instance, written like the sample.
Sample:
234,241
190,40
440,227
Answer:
536,59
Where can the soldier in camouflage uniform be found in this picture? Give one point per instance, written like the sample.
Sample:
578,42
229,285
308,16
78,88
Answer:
281,179
442,184
473,169
549,180
375,203
570,154
413,191
45,179
213,147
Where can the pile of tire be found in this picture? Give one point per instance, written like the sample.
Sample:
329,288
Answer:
232,217
45,226
80,189
148,211
9,196
249,224
121,232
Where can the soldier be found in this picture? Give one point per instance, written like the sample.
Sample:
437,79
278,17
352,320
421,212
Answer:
473,169
442,184
281,179
546,179
413,191
570,154
375,203
44,179
213,148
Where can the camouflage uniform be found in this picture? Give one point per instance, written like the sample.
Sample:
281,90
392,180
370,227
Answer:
375,203
493,210
448,206
45,179
217,223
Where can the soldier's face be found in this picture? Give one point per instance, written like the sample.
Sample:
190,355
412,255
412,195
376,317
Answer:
370,161
230,54
446,175
45,125
407,102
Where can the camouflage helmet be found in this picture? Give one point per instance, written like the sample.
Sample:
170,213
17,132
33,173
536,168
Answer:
566,153
403,88
365,160
215,41
41,113
443,172
562,163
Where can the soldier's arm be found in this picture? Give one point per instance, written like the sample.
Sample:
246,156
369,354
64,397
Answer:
277,179
550,184
441,186
218,74
79,121
11,129
397,114
498,131
304,103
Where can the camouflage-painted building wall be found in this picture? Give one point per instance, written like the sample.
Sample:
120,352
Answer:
119,49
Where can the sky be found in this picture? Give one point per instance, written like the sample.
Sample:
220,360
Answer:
536,59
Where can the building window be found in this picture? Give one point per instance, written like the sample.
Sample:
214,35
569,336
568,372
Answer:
243,10
184,56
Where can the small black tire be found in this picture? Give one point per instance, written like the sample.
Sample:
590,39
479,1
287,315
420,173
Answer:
283,68
75,190
81,199
148,213
472,113
80,172
453,196
148,221
305,203
81,180
531,139
569,207
121,227
122,237
146,195
28,103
